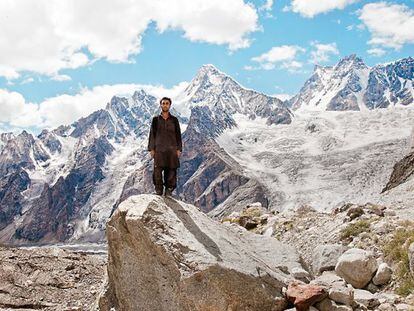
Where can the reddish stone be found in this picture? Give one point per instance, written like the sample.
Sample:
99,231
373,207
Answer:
304,295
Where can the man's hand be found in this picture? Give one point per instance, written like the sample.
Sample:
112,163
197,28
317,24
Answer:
152,153
178,153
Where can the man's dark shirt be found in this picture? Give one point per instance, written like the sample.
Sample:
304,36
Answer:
165,139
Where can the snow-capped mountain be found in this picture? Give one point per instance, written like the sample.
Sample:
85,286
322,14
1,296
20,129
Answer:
223,95
352,85
64,183
240,147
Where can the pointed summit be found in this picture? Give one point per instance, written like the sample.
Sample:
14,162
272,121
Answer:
209,73
351,61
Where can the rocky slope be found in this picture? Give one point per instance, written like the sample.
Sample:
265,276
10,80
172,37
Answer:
352,85
403,170
356,252
50,279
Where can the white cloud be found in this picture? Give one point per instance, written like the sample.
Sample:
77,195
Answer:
283,55
322,52
310,8
27,80
60,77
52,34
267,6
376,52
15,111
390,25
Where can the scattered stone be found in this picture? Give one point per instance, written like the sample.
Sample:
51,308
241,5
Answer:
372,288
300,274
326,256
38,278
411,257
386,307
342,294
404,307
330,305
304,295
328,279
366,298
383,274
357,267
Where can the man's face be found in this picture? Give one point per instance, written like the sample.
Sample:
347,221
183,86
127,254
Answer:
165,105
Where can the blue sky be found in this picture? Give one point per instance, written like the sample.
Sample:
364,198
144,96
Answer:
270,46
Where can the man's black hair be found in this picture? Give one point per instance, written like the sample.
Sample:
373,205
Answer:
166,98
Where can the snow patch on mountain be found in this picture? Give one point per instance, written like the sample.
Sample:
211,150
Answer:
323,158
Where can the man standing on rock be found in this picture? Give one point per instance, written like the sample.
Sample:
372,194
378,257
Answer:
165,146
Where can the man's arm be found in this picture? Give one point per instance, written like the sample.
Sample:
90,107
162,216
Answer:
178,135
151,140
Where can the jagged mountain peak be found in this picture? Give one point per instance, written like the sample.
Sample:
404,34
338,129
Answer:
351,62
352,85
209,76
25,136
209,69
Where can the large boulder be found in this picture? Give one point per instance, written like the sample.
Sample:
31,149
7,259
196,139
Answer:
357,267
164,254
326,256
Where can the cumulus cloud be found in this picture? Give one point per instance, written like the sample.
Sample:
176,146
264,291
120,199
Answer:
390,25
322,52
58,34
310,8
16,112
283,56
376,52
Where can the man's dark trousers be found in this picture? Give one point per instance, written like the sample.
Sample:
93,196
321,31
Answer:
169,180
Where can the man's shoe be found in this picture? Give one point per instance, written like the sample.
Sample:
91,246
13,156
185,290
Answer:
168,192
158,192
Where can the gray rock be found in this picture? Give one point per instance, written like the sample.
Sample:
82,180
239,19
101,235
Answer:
300,274
326,256
386,307
164,254
403,307
383,274
328,279
330,305
357,267
366,298
342,294
411,257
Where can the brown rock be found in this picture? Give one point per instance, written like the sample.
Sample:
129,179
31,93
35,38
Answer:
304,295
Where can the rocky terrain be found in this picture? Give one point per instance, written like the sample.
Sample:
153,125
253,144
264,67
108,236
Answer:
361,254
50,278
